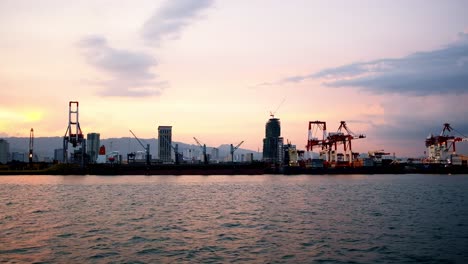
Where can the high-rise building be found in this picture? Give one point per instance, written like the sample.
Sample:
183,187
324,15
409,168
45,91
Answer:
273,142
93,144
4,151
165,141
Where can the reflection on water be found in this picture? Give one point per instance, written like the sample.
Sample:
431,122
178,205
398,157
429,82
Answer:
271,218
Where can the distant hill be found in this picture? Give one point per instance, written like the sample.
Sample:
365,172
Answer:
44,147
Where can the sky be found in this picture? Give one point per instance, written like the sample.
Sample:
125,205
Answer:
216,69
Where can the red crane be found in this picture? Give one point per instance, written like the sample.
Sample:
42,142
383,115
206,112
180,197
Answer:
439,146
343,136
313,140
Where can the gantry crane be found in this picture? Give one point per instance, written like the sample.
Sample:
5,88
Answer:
31,145
439,147
234,149
73,134
344,136
147,149
203,147
313,140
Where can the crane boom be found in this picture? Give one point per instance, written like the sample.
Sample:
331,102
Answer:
203,147
143,146
238,145
198,142
234,149
147,148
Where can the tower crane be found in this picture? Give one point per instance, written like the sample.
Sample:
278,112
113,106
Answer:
203,147
147,149
234,149
31,145
272,113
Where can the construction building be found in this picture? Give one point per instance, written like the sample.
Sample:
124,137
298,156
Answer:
4,151
165,141
273,142
93,144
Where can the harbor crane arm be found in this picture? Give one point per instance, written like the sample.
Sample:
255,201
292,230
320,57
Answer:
234,149
345,127
203,147
143,146
238,145
198,142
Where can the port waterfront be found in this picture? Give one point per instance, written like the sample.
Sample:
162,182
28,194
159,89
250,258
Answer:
257,168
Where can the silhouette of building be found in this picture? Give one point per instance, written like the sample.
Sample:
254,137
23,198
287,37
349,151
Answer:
19,156
58,155
93,144
165,141
273,142
4,151
214,154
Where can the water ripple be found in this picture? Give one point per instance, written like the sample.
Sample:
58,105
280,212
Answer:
238,219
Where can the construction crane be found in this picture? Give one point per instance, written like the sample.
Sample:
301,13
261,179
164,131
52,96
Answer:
147,149
272,113
31,145
203,147
234,149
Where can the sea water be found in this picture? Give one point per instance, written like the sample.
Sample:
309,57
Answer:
242,219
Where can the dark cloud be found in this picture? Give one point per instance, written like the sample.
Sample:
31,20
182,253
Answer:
442,71
130,72
171,18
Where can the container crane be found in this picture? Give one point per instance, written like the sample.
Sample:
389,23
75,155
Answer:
233,149
147,149
312,140
73,134
31,145
439,147
344,135
203,147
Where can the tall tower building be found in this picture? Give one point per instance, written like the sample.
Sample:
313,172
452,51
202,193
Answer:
165,141
4,151
273,142
93,143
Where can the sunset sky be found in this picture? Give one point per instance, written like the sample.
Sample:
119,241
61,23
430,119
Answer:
394,70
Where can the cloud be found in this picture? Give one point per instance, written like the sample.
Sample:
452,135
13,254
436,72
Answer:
130,72
442,71
168,21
